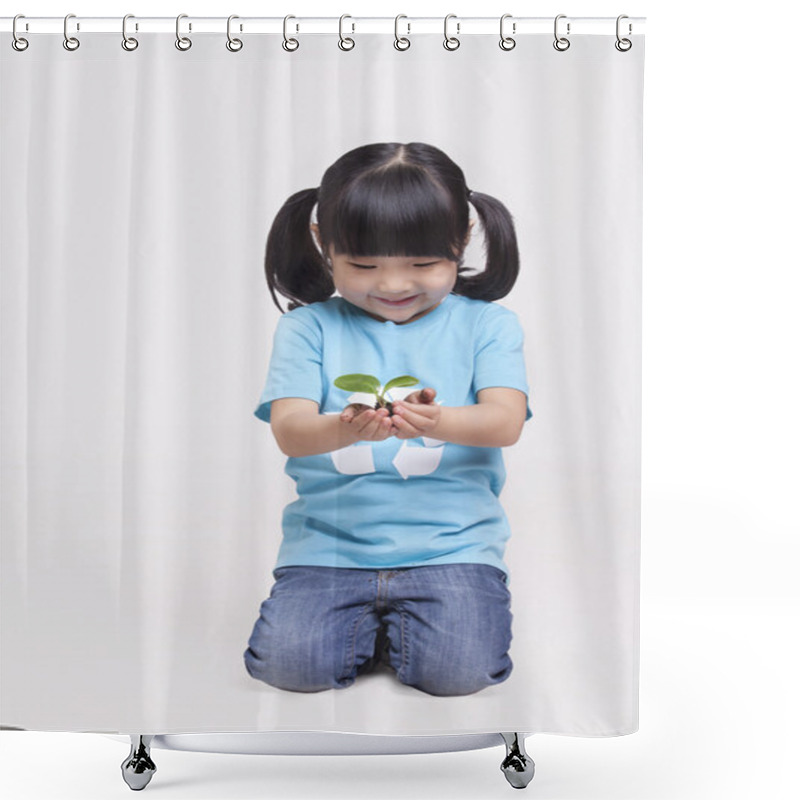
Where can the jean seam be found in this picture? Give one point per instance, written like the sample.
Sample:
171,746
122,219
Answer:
401,673
352,645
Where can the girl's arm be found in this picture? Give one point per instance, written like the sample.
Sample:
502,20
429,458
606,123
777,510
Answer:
300,430
495,421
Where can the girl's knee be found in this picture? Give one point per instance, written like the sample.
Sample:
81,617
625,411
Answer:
288,653
456,685
456,679
298,661
298,671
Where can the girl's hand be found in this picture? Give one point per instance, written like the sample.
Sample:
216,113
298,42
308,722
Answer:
417,415
352,411
425,395
367,424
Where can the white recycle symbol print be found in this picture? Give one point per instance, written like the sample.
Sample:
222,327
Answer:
410,460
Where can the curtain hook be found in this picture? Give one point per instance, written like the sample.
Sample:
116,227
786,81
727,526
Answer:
128,42
401,43
561,43
506,42
290,45
451,42
623,45
182,42
18,43
346,43
234,45
70,42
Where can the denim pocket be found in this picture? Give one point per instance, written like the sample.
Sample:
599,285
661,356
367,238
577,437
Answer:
500,574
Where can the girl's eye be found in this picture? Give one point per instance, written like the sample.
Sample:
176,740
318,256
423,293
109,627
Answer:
372,266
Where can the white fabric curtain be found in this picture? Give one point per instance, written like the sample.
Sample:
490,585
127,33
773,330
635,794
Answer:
141,497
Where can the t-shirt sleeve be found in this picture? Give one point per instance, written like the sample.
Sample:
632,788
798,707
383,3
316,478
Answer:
295,366
499,355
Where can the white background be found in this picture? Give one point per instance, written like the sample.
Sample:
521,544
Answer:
720,526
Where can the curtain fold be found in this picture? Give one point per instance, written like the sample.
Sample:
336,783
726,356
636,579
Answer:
142,499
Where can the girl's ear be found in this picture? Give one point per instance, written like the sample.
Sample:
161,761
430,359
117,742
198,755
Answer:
315,231
469,232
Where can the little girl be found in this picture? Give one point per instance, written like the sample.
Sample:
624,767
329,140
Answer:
393,552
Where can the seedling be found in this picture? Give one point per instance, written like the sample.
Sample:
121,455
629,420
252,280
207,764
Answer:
369,384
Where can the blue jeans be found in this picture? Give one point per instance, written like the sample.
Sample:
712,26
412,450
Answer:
444,629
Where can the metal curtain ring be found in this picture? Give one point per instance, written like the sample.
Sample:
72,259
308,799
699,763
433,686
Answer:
290,45
182,42
234,45
506,42
623,45
561,43
128,42
451,42
70,42
346,43
18,43
401,43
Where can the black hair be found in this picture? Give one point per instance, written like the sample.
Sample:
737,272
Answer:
388,199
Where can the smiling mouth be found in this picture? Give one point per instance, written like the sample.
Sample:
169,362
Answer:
397,303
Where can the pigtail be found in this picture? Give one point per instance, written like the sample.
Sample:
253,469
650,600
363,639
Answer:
501,250
293,265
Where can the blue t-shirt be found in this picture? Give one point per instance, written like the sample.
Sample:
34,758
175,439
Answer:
398,502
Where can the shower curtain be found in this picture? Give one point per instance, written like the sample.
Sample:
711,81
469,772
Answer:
142,498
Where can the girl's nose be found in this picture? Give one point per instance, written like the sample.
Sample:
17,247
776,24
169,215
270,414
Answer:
394,284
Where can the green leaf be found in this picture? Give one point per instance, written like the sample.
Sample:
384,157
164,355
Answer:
403,380
358,383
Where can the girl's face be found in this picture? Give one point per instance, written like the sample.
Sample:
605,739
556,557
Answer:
396,288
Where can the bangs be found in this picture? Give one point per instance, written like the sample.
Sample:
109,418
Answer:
396,212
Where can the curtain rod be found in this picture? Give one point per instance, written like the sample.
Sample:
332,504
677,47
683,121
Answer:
514,26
